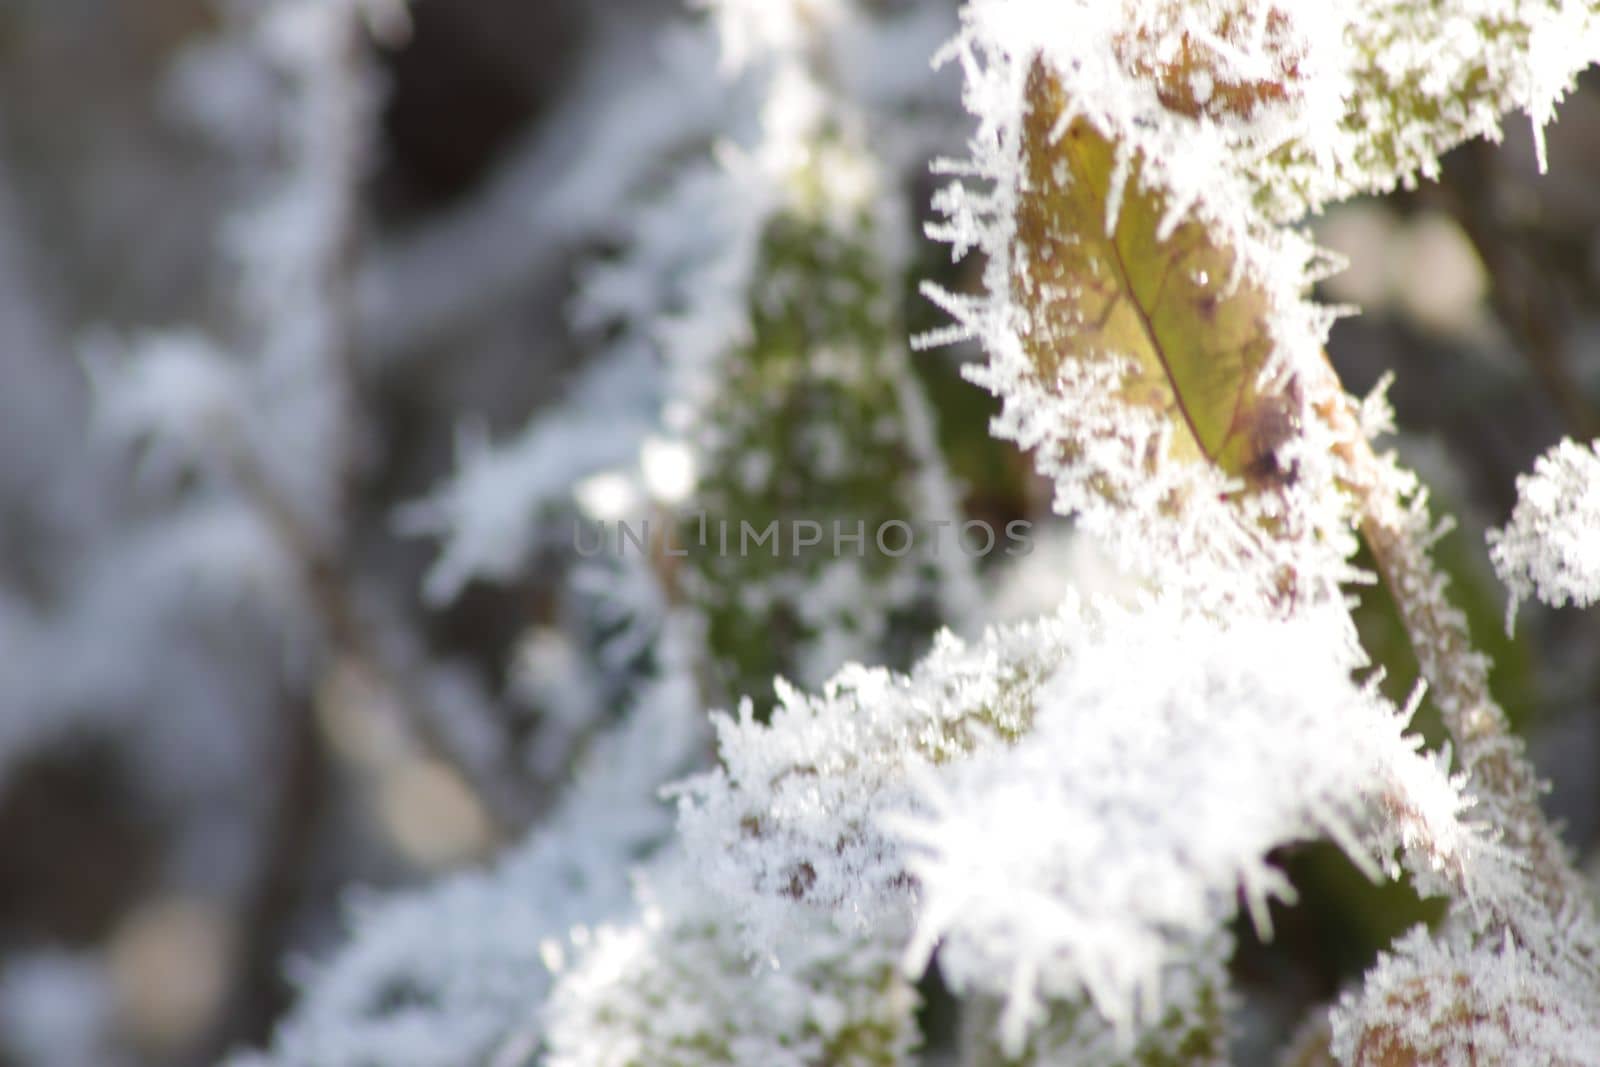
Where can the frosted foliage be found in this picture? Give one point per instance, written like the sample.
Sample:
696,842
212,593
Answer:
807,87
1111,840
1239,115
1446,999
795,812
452,974
1139,803
676,988
1304,102
1551,546
1122,69
1409,63
1065,815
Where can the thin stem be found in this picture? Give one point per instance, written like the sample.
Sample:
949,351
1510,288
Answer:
1398,530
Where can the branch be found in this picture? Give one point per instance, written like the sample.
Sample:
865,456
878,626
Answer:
1548,908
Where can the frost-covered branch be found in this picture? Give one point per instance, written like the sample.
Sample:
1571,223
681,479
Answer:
272,415
562,186
1549,906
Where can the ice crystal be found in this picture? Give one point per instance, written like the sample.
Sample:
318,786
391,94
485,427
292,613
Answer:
503,500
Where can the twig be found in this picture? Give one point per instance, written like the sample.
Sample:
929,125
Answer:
317,546
318,549
1397,528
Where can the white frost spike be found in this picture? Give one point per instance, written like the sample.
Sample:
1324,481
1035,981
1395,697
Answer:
498,505
1551,546
1102,848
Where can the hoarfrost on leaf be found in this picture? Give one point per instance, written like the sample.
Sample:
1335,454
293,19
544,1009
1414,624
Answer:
1146,328
1062,819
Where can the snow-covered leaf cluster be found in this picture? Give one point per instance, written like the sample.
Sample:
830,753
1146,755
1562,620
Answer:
1133,187
1551,546
1064,821
1166,792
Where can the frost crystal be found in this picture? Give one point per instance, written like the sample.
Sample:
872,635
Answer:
492,512
1551,546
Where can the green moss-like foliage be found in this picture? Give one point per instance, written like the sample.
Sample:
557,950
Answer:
813,423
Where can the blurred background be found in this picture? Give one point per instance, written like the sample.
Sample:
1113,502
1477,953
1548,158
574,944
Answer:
206,742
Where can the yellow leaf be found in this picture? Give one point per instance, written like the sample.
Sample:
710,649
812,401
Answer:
1103,280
